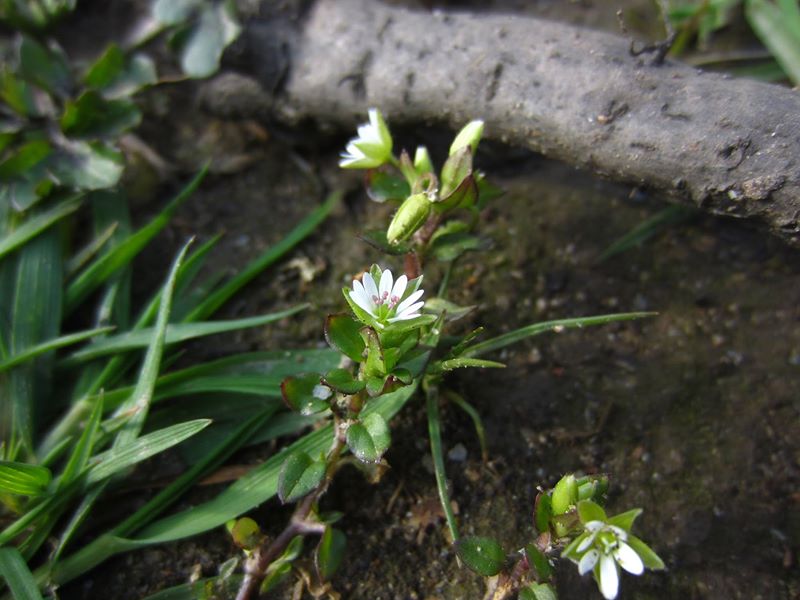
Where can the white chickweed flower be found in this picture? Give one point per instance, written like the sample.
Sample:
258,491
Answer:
372,147
387,301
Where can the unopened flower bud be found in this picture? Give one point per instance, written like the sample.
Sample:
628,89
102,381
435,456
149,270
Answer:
470,135
565,494
411,215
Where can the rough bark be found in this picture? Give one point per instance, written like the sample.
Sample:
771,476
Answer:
729,146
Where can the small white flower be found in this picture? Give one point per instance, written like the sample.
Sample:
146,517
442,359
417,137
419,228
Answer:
385,301
627,558
372,147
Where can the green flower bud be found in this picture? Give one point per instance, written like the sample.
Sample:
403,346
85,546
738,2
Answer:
411,215
565,494
422,161
470,135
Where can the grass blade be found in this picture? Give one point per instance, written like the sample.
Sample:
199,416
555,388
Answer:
111,262
36,224
79,457
210,305
119,458
512,337
778,28
175,333
647,229
435,437
85,254
138,404
50,345
17,575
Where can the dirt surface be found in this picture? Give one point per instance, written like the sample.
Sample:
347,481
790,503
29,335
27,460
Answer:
693,413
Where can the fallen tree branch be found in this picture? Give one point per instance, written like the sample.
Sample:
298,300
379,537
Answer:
729,146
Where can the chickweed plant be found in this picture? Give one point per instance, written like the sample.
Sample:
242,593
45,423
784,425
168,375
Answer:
392,342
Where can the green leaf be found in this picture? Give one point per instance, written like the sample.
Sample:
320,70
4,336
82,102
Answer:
383,186
361,444
121,255
22,97
590,511
512,337
46,67
329,553
481,554
650,559
299,476
452,311
461,363
778,28
543,512
49,346
175,333
541,564
24,159
647,229
106,68
565,494
92,116
450,247
86,165
23,479
18,578
118,459
37,223
378,430
139,72
246,533
79,457
342,381
301,393
342,333
374,365
538,591
203,49
625,520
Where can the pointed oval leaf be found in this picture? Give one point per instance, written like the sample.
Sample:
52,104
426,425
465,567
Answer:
481,554
329,553
385,186
455,170
106,68
543,512
46,67
299,475
342,381
361,443
540,562
305,394
379,432
625,520
342,333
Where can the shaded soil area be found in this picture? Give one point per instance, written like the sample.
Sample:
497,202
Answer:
693,413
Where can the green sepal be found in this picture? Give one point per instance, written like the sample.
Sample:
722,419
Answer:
481,554
455,170
299,475
422,161
650,559
342,332
342,381
625,520
411,215
565,494
298,394
469,136
329,553
591,511
465,195
374,365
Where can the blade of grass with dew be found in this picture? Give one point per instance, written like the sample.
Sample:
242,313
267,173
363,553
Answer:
437,454
778,28
18,578
175,333
660,221
512,337
210,305
36,224
109,263
50,345
138,405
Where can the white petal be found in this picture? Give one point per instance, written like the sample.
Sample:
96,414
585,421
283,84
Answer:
399,287
619,531
609,578
628,559
409,313
588,561
369,285
594,526
386,282
354,150
587,541
359,296
403,306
